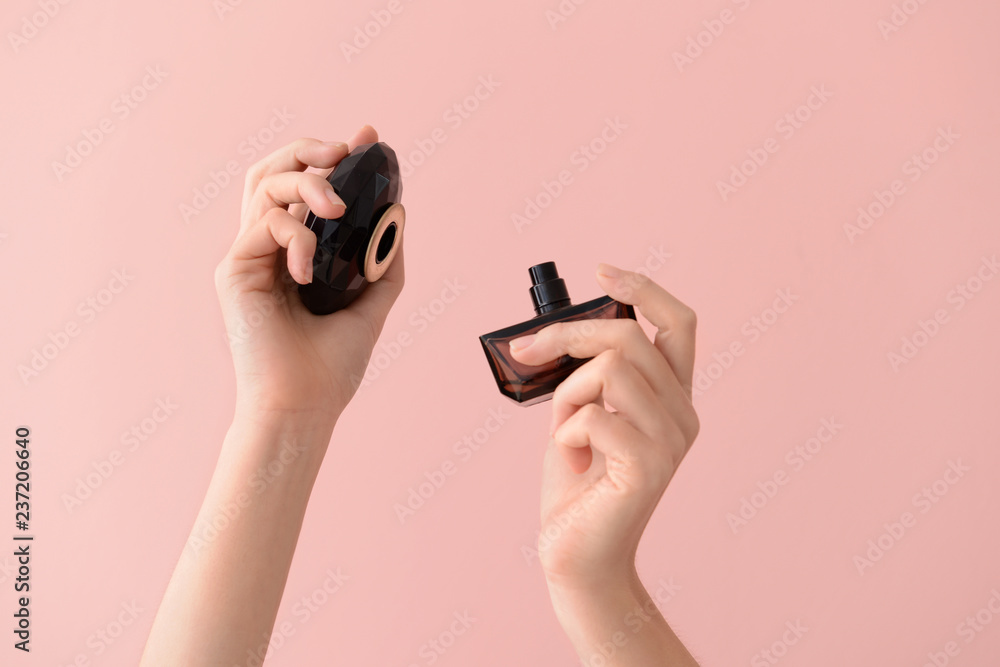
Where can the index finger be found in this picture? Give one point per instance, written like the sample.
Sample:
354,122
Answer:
674,321
296,156
366,135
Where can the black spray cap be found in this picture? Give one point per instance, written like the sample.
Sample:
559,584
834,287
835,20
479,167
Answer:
548,290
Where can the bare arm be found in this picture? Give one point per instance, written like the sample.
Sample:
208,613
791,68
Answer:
295,373
618,626
621,424
226,588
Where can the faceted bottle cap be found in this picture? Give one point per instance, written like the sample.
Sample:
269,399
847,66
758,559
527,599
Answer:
548,290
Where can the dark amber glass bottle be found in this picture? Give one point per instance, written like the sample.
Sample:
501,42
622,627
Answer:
528,385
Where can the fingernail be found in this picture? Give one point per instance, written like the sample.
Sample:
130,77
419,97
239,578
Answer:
519,344
609,271
334,199
307,270
336,144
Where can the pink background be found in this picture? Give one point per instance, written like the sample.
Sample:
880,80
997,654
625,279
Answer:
654,186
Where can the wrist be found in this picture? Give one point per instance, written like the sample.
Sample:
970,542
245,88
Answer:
578,594
297,438
276,404
576,580
278,419
594,618
616,624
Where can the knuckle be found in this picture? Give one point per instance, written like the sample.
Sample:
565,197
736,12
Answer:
307,236
590,413
221,274
611,361
316,180
583,330
303,143
632,330
557,328
254,175
677,434
559,395
271,217
553,332
694,426
687,317
267,182
688,426
561,436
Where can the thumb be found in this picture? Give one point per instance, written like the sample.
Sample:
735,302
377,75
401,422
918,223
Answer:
378,298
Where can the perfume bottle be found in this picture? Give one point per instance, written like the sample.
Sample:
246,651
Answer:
528,385
358,247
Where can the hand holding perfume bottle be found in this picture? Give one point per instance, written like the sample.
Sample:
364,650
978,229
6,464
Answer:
357,248
529,385
285,357
621,424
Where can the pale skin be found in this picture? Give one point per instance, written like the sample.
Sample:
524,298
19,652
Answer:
620,426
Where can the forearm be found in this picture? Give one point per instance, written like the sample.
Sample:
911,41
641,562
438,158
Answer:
618,626
224,594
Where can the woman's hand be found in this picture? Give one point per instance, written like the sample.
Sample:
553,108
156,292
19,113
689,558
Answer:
295,373
621,424
288,361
